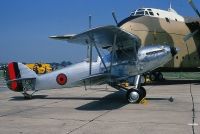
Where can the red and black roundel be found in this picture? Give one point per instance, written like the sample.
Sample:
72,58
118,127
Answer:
61,79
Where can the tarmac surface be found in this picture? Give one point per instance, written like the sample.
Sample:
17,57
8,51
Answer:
102,110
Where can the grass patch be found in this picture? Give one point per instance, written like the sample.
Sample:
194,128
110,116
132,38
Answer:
182,75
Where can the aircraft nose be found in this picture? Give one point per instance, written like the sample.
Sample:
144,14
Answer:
174,51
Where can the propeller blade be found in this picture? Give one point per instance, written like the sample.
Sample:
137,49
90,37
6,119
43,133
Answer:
194,7
114,17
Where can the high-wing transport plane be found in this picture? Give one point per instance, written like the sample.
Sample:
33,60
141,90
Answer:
148,39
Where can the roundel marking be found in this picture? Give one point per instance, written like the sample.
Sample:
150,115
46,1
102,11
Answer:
61,79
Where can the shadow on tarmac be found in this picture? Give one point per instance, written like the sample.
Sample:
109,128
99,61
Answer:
110,102
175,82
21,98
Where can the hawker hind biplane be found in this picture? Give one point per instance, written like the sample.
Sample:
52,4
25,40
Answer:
128,56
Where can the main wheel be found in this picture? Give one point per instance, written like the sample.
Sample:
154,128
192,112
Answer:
133,96
143,92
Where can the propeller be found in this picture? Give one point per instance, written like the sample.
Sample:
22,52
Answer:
189,35
194,7
115,18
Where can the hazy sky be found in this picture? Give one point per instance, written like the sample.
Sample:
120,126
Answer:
26,24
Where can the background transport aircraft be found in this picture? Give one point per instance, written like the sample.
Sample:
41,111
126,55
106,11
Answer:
144,41
155,26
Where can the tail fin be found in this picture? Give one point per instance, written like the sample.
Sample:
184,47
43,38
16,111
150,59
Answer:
17,72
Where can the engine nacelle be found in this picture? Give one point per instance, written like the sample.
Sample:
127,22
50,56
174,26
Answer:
152,57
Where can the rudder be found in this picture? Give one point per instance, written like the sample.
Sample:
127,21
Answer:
15,72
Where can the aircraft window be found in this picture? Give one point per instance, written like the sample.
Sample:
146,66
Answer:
146,13
133,13
167,19
158,14
151,13
140,9
140,13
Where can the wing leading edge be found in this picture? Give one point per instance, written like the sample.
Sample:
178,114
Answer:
103,37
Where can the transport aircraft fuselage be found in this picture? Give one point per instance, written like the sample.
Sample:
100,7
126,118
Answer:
155,26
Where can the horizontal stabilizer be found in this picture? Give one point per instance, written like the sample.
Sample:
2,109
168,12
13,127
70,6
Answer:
21,80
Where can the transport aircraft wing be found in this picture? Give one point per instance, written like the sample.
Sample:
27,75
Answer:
103,37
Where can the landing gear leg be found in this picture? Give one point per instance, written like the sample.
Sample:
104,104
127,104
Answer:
135,95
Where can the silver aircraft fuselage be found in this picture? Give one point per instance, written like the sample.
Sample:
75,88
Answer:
148,58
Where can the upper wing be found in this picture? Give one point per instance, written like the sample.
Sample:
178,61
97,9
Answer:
103,37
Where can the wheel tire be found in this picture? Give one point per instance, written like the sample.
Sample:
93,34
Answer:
152,77
160,76
143,92
133,96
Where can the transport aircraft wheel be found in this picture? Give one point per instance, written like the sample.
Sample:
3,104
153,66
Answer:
160,76
133,96
152,77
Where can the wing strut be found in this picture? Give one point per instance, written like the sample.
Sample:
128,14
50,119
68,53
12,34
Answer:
90,60
112,56
93,43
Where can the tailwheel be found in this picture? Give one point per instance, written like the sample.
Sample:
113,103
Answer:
27,96
135,96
